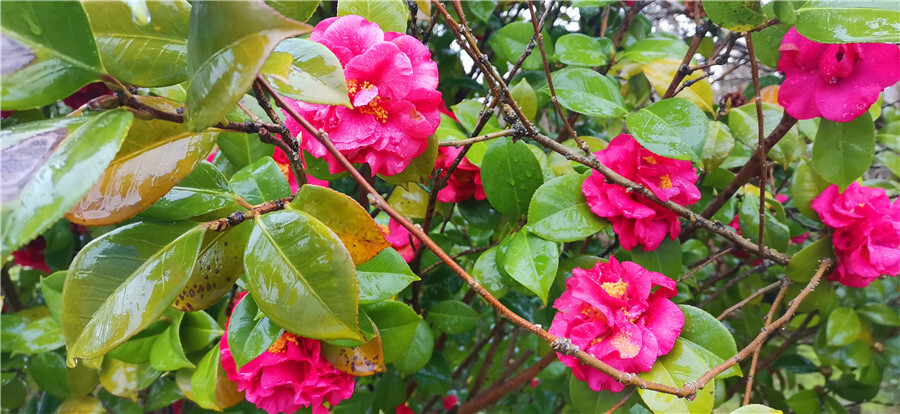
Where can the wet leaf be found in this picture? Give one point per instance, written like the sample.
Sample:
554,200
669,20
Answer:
843,151
660,73
219,265
154,157
383,276
81,405
167,353
487,273
313,74
49,372
51,288
210,386
411,203
48,53
756,408
709,338
806,185
249,335
767,41
674,369
242,149
804,264
345,217
397,323
260,181
452,317
136,350
776,234
39,336
665,259
585,91
718,146
300,11
419,351
204,190
737,16
510,174
48,165
227,46
673,128
198,330
880,314
360,361
146,259
576,49
843,327
391,15
418,171
302,276
559,211
744,126
143,45
525,97
843,21
125,380
653,49
532,261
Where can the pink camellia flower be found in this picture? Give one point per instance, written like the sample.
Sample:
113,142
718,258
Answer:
32,255
404,409
636,219
866,235
402,240
392,83
450,401
290,375
464,183
282,160
609,312
838,82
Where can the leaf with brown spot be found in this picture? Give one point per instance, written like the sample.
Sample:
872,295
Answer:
360,361
219,265
155,156
345,217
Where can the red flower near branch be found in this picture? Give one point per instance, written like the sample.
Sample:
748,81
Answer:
32,255
402,240
837,82
464,183
282,160
290,375
636,219
866,236
392,83
609,311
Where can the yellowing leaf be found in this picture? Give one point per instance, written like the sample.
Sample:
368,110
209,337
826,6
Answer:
660,74
360,361
770,94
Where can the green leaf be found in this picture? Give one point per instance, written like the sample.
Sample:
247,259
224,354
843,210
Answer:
776,234
510,174
525,97
391,15
674,369
315,74
767,41
204,190
588,401
48,53
673,128
154,157
49,372
744,127
163,393
146,259
532,261
419,169
576,49
167,353
242,149
249,336
655,48
219,265
588,92
198,330
227,46
39,336
665,259
359,233
718,146
843,327
48,165
411,203
260,181
804,264
880,314
487,273
302,276
843,151
806,185
843,21
452,317
660,73
467,112
210,385
737,16
757,408
419,351
300,11
142,44
559,211
51,288
383,276
709,338
397,323
510,42
136,350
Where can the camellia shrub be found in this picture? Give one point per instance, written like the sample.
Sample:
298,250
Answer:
450,206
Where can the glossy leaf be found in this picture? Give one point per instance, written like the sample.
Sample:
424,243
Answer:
510,42
487,273
653,49
242,149
99,309
767,41
525,97
806,185
756,408
805,263
39,336
154,157
744,126
576,49
48,165
204,190
665,259
219,265
843,327
673,128
660,73
198,330
82,405
125,380
314,74
48,53
383,276
842,21
532,261
559,211
210,386
51,288
360,361
419,351
510,175
880,314
776,234
709,338
588,401
452,317
737,16
300,11
843,151
248,334
302,276
345,217
136,350
391,15
679,366
223,59
146,48
167,353
411,203
719,143
260,182
397,323
49,372
419,170
588,92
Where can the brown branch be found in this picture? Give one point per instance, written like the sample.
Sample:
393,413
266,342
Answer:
239,217
10,295
480,138
760,144
626,22
460,254
727,312
755,357
684,68
621,402
732,282
708,260
495,393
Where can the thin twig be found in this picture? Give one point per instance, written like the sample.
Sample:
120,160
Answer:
727,312
495,393
480,138
755,357
621,402
705,262
761,143
732,282
683,68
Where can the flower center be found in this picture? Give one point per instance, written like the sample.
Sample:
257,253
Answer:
650,160
365,99
617,289
622,342
837,62
280,345
665,182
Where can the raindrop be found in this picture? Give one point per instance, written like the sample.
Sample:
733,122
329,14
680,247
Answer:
35,29
140,15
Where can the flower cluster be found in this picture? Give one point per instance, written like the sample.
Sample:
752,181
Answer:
464,183
837,82
392,84
290,375
866,232
636,219
613,312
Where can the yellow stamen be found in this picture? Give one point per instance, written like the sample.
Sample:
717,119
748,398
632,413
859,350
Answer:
280,345
373,107
622,342
665,182
650,160
617,289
